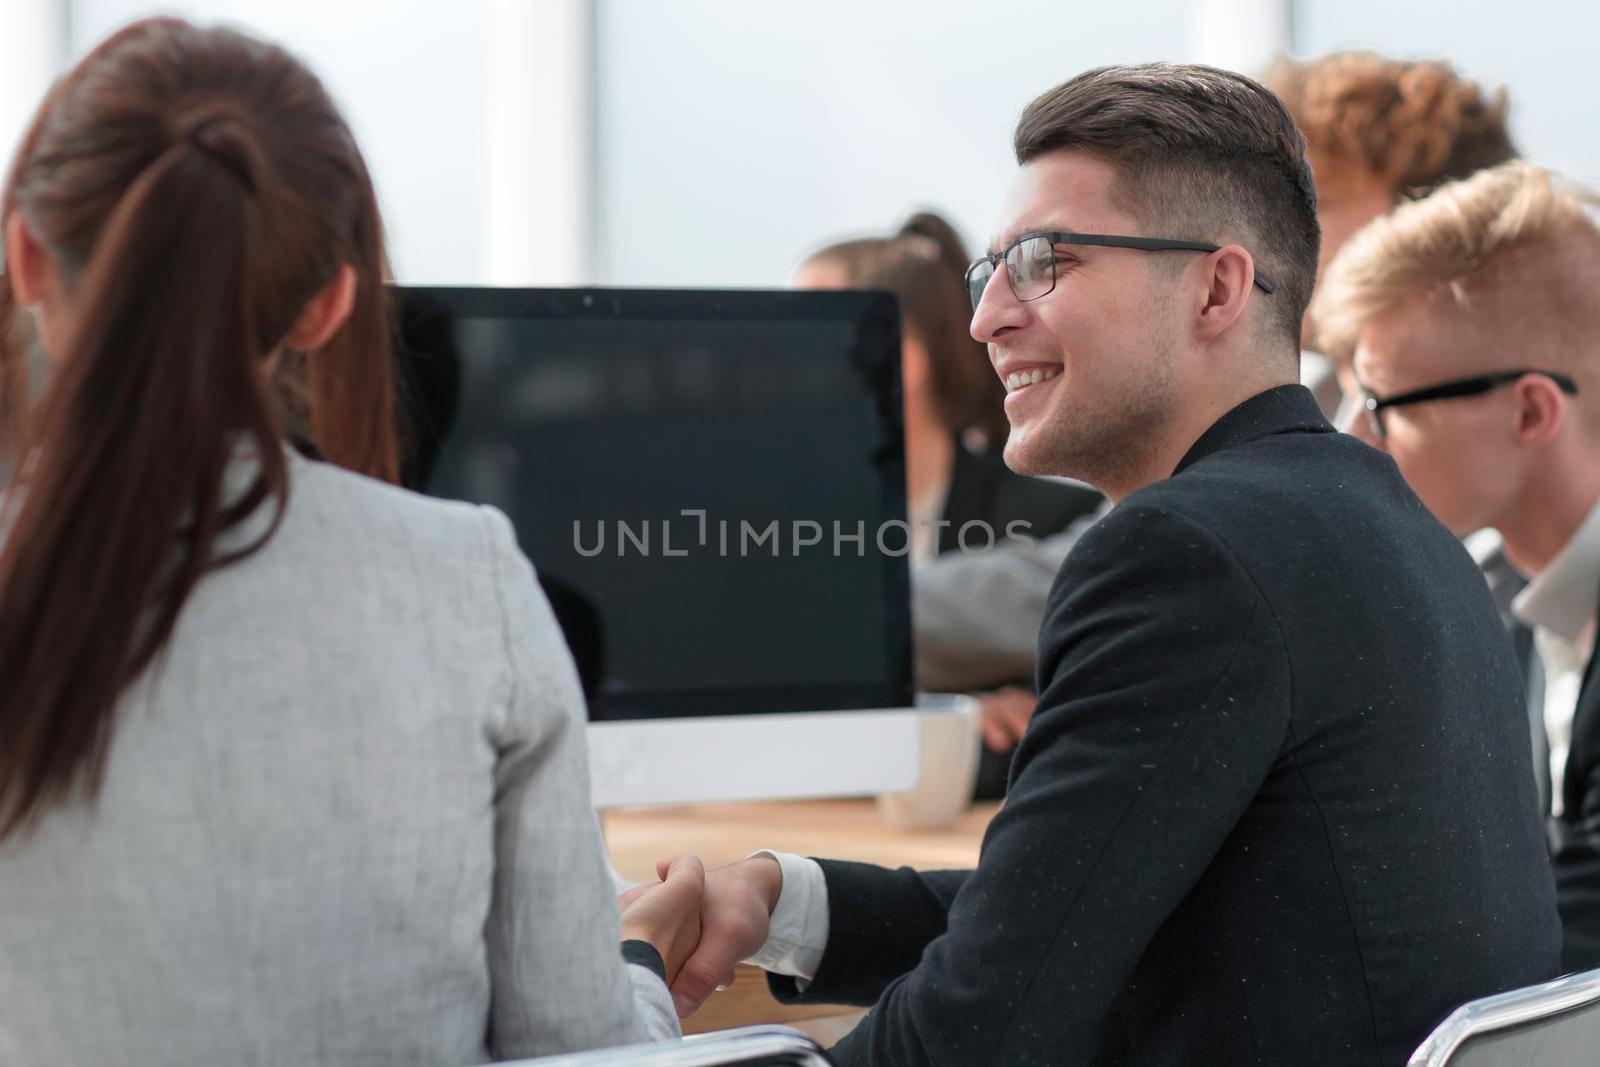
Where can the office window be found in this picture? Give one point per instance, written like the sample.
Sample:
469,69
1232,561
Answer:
733,137
411,79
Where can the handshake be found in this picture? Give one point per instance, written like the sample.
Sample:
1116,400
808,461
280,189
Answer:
702,922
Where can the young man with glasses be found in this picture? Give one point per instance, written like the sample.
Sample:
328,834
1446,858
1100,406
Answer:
1470,328
1379,132
1271,807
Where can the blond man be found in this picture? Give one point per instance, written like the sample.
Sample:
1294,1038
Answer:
1470,323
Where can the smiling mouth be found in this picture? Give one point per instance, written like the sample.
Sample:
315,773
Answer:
1019,380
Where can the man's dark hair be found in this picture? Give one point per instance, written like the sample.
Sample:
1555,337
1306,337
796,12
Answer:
1203,154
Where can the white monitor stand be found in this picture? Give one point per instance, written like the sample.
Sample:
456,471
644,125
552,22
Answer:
759,756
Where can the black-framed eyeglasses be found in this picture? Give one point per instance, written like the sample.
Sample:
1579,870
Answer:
1457,387
1031,261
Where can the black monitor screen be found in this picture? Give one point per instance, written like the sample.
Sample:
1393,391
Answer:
710,485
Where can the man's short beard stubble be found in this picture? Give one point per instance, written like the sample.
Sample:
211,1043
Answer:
1114,442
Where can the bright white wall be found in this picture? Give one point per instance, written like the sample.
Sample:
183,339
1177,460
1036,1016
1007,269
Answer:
729,136
412,78
32,46
1543,51
734,136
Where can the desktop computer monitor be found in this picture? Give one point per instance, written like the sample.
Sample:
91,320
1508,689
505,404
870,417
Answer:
711,487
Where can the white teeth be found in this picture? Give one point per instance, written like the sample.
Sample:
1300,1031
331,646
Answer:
1022,379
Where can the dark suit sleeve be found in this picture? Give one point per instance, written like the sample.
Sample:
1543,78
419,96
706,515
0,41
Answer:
1163,705
871,945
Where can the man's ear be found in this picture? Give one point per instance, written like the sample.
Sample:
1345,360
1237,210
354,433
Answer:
1231,274
325,312
1541,410
27,265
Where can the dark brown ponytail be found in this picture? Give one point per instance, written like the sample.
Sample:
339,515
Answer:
937,229
925,266
194,188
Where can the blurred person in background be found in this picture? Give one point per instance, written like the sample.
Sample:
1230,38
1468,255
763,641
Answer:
955,431
1470,324
292,761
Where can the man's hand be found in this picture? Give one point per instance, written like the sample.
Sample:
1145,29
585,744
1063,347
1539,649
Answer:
667,913
734,918
1003,717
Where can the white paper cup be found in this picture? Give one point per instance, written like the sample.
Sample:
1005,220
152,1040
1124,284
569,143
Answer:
947,766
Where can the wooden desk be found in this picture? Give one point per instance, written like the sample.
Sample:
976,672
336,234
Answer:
721,833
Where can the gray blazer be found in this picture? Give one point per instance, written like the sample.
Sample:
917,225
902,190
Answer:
345,820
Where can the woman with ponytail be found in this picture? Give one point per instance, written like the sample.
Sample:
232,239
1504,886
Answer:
291,761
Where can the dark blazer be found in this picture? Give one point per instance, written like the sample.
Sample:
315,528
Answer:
1575,834
1276,805
1505,582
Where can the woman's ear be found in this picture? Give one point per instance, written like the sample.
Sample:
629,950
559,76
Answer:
325,312
27,265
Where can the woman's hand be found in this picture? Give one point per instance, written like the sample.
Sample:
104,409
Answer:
666,914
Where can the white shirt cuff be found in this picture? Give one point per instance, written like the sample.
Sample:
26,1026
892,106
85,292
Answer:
799,930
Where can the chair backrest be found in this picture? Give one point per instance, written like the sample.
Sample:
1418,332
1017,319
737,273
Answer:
1557,1023
750,1046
